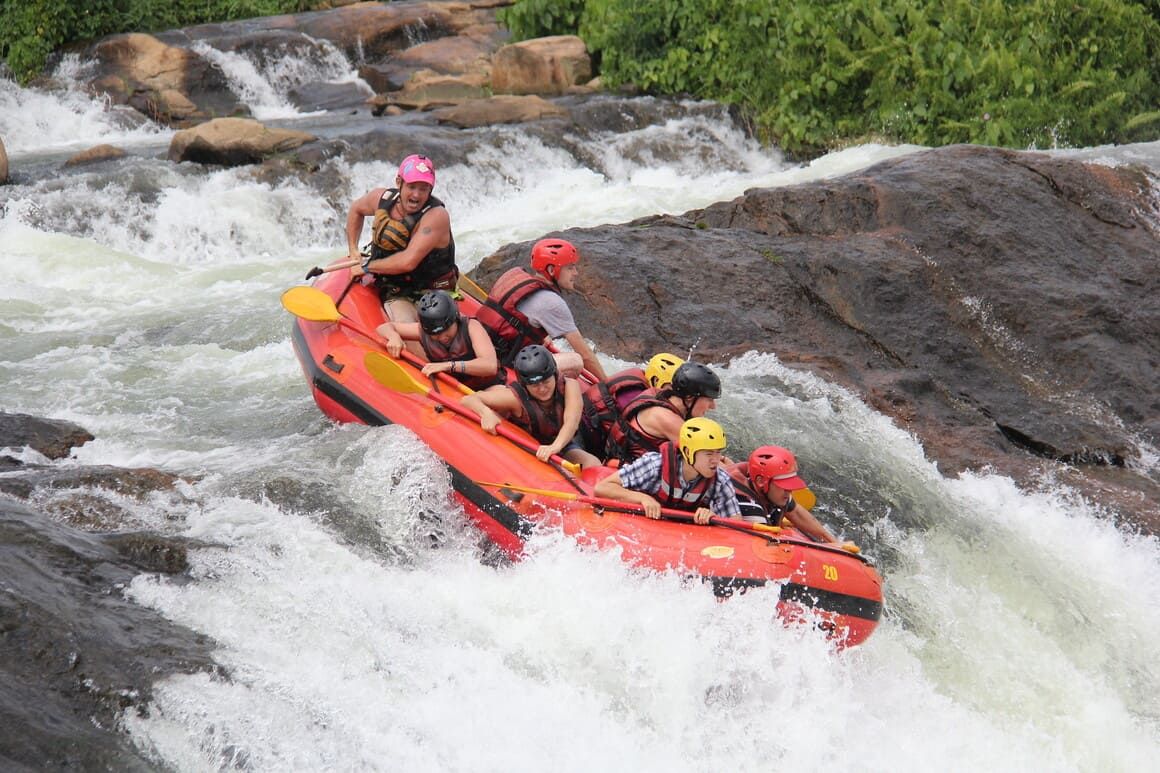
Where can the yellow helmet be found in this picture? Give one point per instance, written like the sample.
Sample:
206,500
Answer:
661,368
700,434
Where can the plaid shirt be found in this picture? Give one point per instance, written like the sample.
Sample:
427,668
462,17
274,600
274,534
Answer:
644,475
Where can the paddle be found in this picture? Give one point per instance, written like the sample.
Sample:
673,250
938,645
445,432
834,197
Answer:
313,304
668,513
316,271
390,374
805,498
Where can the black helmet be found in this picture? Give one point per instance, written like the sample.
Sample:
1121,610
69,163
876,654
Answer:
437,311
534,364
696,380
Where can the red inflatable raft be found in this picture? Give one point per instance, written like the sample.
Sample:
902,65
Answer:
508,492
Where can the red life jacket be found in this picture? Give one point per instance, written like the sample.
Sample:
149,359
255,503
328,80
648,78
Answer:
510,330
459,348
672,491
541,424
604,402
626,440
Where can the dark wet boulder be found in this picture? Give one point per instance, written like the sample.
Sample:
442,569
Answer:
53,438
1004,306
74,651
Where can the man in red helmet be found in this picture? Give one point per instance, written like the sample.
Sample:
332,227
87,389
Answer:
411,250
765,486
525,307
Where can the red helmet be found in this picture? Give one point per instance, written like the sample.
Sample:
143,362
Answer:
777,466
553,252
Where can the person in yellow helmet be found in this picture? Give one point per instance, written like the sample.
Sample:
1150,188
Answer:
687,475
605,401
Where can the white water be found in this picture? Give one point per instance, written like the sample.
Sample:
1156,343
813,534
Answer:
142,303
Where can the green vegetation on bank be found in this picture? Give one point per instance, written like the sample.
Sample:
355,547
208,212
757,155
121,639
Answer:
812,74
30,30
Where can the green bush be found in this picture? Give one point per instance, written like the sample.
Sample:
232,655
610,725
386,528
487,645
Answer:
30,30
814,73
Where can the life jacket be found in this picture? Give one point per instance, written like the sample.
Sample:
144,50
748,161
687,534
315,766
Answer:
510,330
626,440
540,423
604,402
750,501
459,348
671,491
436,271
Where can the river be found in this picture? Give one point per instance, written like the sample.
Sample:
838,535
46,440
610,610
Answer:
357,621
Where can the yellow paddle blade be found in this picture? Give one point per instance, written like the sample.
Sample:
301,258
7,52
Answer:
805,498
392,375
468,285
310,303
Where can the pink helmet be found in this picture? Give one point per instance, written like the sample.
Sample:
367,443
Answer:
417,169
553,252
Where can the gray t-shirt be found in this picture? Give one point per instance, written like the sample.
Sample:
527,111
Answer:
549,311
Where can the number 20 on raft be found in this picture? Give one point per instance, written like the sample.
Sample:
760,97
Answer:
830,572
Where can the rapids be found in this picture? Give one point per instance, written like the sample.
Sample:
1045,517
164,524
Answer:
358,622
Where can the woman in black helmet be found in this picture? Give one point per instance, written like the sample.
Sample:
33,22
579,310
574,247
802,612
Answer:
542,401
450,342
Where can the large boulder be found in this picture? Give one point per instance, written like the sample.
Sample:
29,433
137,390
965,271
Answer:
53,438
170,84
233,142
1003,306
550,65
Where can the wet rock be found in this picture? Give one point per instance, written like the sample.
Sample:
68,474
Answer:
233,142
170,84
3,163
95,154
74,652
1003,306
499,110
548,65
51,437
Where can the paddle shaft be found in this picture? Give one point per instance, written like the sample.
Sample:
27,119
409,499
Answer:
318,271
763,530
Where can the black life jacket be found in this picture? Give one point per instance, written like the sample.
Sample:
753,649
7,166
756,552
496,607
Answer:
604,402
437,271
672,491
750,501
459,348
541,424
510,330
626,440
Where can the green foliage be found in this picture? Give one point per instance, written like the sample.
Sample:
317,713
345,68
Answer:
30,30
540,18
816,73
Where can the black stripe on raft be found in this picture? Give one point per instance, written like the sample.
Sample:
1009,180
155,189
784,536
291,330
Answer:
826,600
475,494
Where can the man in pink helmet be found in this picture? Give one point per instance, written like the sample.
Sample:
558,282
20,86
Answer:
411,249
525,307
